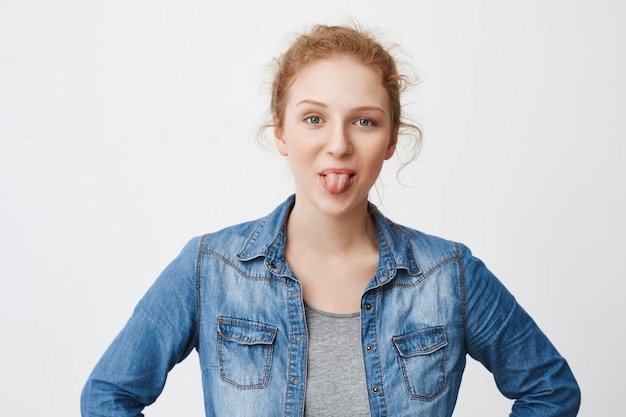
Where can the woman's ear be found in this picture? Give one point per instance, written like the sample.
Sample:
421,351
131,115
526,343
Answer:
391,148
279,136
280,141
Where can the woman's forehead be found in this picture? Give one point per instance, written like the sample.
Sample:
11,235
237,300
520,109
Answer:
341,79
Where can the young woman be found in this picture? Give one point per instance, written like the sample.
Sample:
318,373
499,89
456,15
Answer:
325,307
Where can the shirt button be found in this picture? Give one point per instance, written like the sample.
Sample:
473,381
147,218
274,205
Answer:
369,348
272,265
375,390
299,338
296,381
368,306
293,294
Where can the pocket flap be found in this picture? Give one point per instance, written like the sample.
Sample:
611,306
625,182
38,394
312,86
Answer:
422,342
245,331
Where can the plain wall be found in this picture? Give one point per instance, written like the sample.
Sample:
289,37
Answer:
127,127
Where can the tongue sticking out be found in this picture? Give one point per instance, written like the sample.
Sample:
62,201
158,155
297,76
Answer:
336,183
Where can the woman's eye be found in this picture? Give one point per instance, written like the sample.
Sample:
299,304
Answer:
364,122
314,120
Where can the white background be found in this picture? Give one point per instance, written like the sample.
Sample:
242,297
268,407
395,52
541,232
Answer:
127,127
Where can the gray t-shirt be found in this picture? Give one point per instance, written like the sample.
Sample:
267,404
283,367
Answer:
336,383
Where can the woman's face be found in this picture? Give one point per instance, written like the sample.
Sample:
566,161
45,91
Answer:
336,132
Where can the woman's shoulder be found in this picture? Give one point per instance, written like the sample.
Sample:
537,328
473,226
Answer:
427,251
419,237
232,236
400,235
249,236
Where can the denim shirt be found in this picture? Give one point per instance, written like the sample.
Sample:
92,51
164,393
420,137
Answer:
231,296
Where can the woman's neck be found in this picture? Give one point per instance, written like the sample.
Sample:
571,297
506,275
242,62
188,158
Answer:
333,257
323,233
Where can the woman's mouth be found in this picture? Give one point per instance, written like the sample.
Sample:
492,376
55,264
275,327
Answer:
337,181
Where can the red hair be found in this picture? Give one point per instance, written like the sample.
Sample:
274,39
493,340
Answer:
324,42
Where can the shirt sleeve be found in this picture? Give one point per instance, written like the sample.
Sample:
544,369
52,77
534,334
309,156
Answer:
161,332
505,339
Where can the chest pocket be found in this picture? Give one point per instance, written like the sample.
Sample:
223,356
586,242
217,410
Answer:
245,351
422,358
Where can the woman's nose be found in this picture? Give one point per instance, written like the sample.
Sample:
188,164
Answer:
339,142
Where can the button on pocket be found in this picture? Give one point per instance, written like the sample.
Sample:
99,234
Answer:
245,351
422,357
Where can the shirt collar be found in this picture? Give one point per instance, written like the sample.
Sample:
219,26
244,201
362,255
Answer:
268,237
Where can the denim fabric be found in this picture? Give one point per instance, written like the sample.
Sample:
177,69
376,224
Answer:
231,296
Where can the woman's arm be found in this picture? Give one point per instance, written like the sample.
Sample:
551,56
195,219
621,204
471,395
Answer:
502,336
161,332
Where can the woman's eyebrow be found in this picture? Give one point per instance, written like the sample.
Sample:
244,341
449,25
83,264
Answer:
320,104
313,102
366,108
